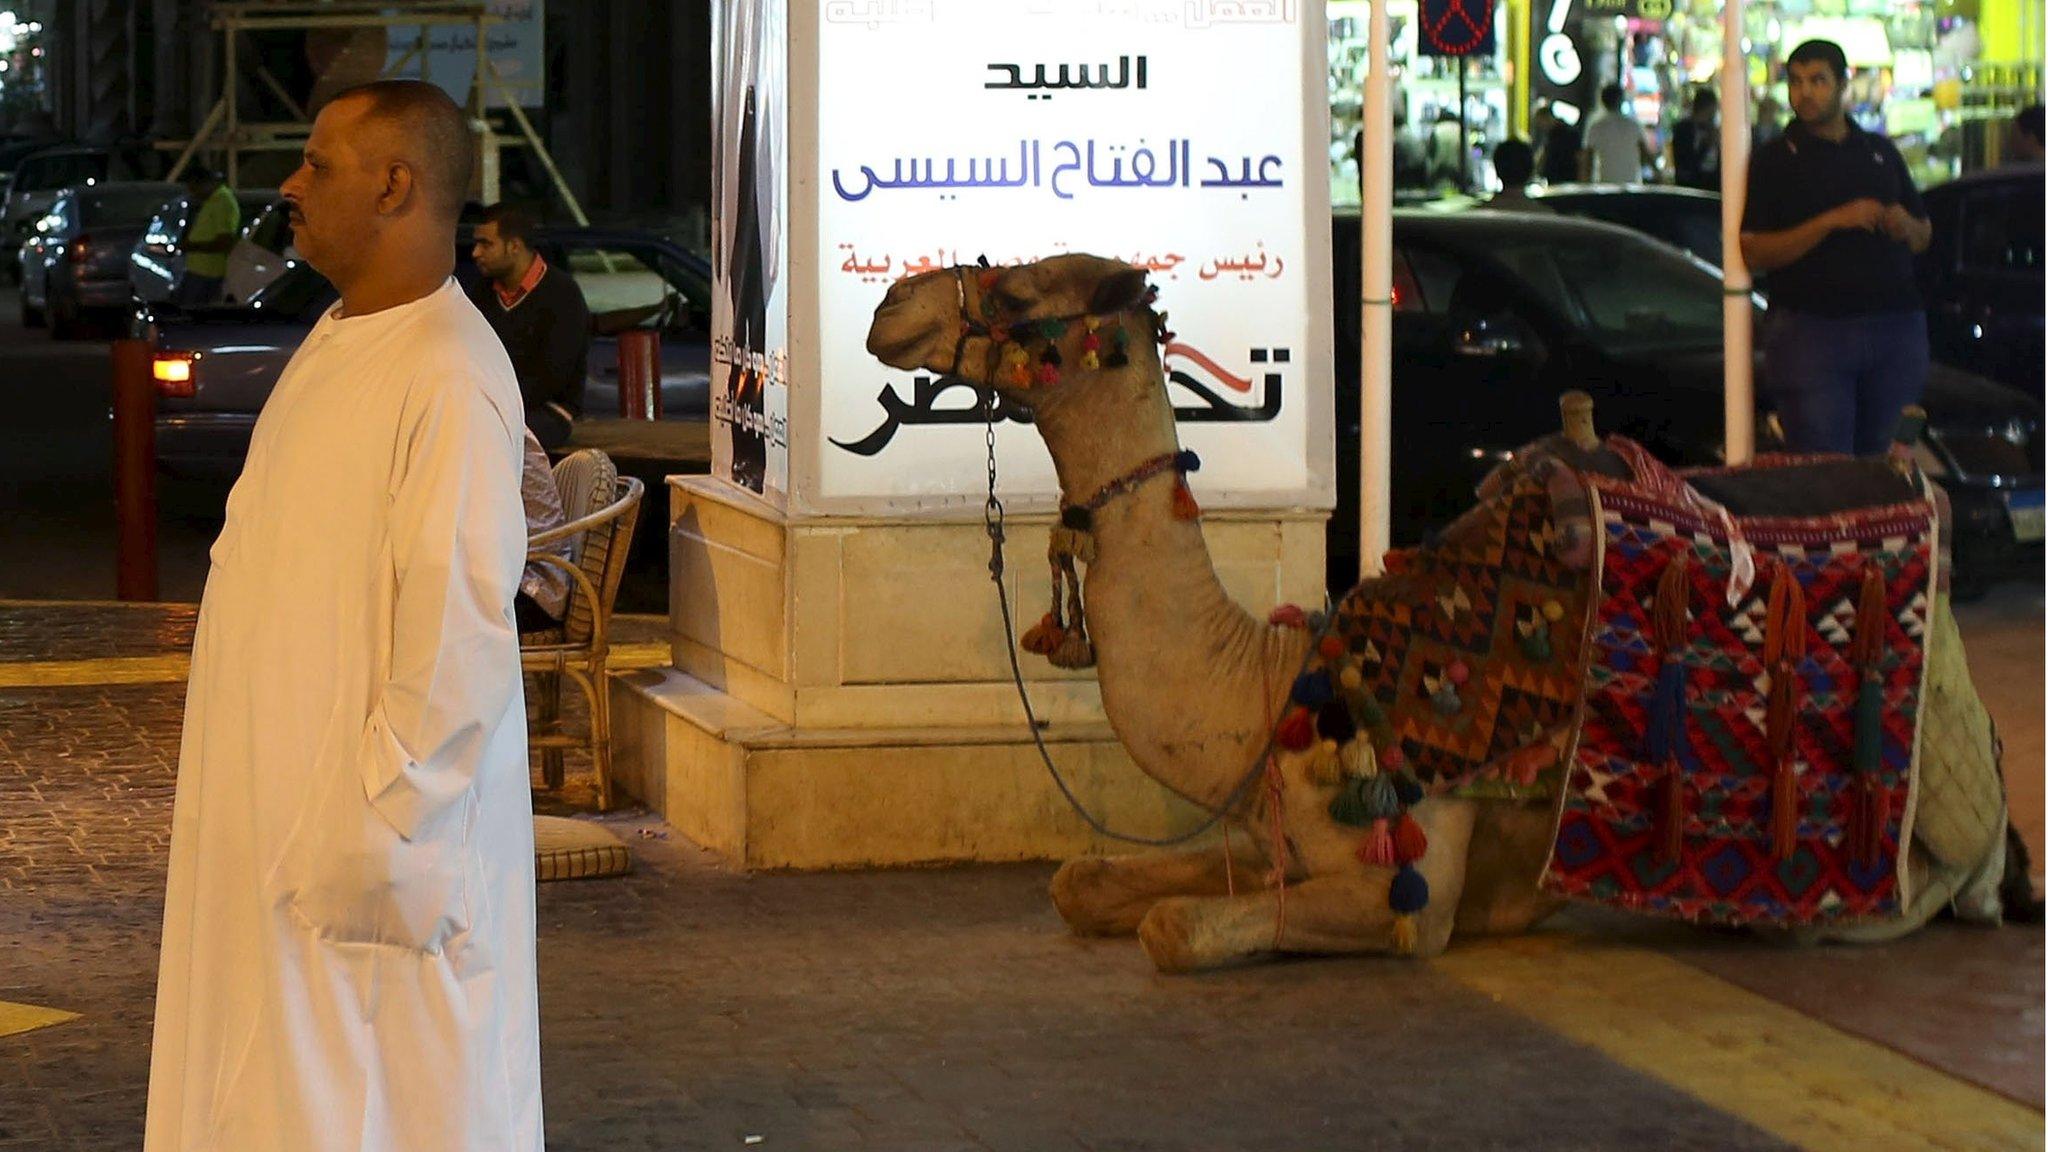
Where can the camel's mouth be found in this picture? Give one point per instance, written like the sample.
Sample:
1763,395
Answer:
893,342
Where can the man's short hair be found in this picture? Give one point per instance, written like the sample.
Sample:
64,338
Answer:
1822,51
435,131
514,222
1705,98
1515,162
2029,122
1610,97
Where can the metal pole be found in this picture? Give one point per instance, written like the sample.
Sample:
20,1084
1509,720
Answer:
1738,315
134,471
234,133
1376,301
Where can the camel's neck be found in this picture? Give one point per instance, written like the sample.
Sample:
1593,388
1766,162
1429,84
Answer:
1192,683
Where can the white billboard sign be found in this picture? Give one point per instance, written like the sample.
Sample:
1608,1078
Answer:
516,46
1186,136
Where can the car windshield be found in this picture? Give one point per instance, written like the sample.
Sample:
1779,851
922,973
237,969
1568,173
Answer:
1625,294
122,205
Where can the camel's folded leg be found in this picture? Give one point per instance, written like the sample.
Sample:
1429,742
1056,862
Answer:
1323,914
1510,842
1108,895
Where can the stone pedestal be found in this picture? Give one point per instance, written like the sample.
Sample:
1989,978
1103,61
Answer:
840,695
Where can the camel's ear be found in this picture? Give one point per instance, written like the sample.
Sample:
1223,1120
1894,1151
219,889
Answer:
1122,289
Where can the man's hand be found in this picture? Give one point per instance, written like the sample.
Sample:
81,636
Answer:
1865,215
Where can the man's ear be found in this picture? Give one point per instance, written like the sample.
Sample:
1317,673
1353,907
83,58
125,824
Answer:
1121,289
399,188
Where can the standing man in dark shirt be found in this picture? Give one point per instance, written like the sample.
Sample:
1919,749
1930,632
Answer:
539,314
1833,222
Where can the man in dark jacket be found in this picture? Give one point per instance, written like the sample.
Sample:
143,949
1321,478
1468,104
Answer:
539,314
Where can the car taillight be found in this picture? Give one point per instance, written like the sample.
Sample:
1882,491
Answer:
173,373
81,250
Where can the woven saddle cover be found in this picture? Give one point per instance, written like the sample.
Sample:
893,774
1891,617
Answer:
1753,761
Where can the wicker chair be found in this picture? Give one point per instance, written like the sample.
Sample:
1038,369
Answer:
602,508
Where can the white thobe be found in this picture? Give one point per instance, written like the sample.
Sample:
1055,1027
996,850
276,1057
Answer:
348,951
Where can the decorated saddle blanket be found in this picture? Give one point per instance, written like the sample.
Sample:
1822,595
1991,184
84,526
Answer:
1748,739
1458,671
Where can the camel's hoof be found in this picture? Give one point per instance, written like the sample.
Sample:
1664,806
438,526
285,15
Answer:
1167,935
1072,888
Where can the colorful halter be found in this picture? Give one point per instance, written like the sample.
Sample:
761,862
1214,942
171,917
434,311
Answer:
1012,362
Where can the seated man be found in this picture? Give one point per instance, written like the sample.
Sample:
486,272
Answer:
1515,163
543,588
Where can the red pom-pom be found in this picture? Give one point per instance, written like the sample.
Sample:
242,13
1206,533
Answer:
1297,731
1331,649
1044,636
1091,343
1048,374
1410,841
1392,758
1459,672
1287,616
1184,506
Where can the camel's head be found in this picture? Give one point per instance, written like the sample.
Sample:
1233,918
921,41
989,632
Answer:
1027,331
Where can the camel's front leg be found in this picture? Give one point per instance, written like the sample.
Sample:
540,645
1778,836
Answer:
1323,914
1109,895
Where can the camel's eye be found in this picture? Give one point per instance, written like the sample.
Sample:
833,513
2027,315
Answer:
1009,303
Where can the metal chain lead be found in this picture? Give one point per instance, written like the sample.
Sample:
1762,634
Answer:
992,521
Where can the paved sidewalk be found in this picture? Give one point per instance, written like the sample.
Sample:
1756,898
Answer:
685,1007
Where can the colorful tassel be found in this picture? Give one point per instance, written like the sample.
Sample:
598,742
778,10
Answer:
1075,651
1351,679
1406,790
1410,841
1324,767
1378,848
1184,505
1330,648
1297,731
1536,644
1875,813
1409,892
1667,713
1784,811
1671,823
1405,935
1358,761
1044,637
1313,689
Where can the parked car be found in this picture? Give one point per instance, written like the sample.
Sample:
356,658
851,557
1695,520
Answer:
34,185
1982,277
1497,314
215,366
157,265
75,259
1684,218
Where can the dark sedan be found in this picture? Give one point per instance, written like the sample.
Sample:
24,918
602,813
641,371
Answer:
216,366
74,263
1684,218
1982,277
1497,314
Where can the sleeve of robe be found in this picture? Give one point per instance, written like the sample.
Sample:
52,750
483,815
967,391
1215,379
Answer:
458,543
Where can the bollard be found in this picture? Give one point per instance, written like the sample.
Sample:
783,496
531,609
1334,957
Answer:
134,471
640,374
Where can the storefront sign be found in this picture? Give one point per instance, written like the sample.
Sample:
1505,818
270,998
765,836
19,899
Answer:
1183,136
1457,28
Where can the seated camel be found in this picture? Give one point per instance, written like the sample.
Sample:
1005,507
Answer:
1734,697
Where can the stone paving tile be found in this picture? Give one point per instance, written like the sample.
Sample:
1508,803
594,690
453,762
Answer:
689,1007
68,630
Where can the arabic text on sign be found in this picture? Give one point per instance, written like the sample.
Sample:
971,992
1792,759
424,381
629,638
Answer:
1092,163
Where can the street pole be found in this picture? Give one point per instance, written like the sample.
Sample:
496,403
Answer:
1376,302
1738,315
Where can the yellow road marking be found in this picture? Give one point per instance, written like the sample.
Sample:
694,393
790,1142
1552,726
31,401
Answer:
166,669
15,1018
1788,1074
174,668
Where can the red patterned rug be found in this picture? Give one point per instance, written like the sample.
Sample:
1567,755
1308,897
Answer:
1748,762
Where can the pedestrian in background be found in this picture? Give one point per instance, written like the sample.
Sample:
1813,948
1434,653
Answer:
216,225
2026,135
1515,163
1557,146
539,314
348,948
1833,221
1615,148
1696,144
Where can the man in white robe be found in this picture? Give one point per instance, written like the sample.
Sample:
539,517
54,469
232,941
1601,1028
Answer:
348,952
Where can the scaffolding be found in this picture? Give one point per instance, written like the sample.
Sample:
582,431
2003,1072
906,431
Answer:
226,133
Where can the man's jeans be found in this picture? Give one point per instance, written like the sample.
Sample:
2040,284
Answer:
1838,385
